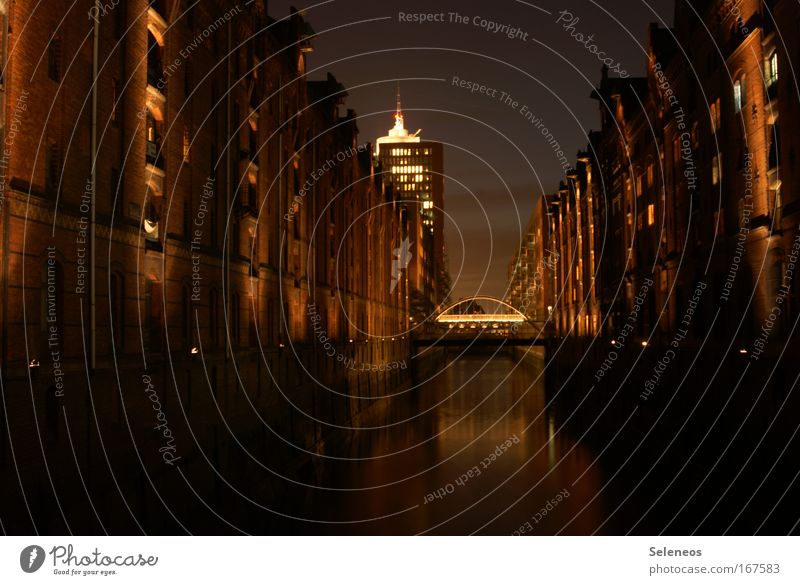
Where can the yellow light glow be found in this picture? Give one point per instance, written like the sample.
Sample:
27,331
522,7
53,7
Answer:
480,318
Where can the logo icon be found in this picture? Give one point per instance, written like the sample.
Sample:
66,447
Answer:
401,258
31,558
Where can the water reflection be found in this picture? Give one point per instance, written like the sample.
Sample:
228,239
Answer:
479,453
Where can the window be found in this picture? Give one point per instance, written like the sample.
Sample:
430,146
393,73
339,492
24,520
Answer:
775,203
52,165
651,172
116,297
115,102
651,214
719,221
153,315
51,304
186,316
773,137
187,79
116,190
236,241
213,317
638,185
155,69
119,20
186,144
716,115
54,58
252,322
771,69
715,170
739,94
235,323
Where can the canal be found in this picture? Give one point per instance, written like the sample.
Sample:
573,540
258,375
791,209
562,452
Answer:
473,447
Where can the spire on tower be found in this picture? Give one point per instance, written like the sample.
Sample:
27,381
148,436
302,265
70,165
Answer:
398,116
399,108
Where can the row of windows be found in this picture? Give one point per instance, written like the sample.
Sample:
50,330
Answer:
410,151
408,169
413,179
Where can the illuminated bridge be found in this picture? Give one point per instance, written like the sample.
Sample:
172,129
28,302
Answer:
468,322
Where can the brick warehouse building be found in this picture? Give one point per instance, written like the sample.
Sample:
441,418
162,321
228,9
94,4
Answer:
694,182
690,368
235,229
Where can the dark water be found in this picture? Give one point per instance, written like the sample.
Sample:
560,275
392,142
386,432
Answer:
479,411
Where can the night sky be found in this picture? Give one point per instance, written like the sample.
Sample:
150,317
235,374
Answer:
496,161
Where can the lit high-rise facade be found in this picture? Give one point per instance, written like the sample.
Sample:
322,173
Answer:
414,169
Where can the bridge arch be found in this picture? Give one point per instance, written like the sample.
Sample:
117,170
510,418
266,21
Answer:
449,315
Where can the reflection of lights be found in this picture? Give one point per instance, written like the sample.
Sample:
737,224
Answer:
644,344
281,345
743,351
194,351
34,363
613,343
351,341
549,308
392,338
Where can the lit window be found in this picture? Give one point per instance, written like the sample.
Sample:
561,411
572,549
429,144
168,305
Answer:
186,145
650,174
715,170
739,95
772,69
651,214
714,110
